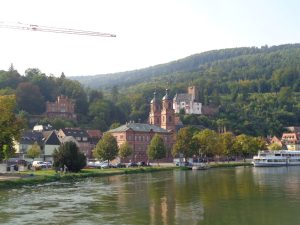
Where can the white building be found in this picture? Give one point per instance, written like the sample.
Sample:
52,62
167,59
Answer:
188,102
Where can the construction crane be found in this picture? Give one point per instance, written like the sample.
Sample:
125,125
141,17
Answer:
34,27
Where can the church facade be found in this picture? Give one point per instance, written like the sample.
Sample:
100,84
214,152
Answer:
139,135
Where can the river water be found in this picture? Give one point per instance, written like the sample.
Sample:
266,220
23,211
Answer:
233,196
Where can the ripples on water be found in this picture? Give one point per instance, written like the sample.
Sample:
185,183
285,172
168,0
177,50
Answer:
218,196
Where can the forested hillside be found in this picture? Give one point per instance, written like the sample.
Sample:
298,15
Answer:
256,90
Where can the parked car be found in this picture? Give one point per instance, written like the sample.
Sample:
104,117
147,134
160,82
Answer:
41,164
104,165
15,163
132,164
119,165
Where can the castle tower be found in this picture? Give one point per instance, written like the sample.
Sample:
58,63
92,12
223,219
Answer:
155,111
167,113
193,91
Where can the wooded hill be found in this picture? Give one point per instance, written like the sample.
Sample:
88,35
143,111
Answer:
257,89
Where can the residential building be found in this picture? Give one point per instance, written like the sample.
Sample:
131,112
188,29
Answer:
291,141
62,108
81,136
28,138
94,137
50,142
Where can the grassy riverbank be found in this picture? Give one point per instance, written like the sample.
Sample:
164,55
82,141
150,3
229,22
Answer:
46,176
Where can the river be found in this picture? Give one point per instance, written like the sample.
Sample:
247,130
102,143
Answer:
233,196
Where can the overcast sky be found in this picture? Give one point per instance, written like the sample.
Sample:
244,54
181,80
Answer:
148,32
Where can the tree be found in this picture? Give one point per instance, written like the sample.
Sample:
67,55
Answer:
107,148
10,126
29,98
209,143
114,125
70,156
157,149
274,147
227,140
34,151
185,143
245,145
125,150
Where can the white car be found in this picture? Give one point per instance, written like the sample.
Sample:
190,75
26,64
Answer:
41,164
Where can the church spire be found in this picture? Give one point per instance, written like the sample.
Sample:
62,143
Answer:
167,113
155,111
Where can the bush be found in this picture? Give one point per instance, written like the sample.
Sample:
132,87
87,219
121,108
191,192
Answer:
69,155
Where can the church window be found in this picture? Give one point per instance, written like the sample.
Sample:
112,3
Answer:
170,118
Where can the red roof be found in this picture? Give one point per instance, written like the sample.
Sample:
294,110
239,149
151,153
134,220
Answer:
94,133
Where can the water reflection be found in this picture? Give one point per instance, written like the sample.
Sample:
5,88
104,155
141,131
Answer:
218,196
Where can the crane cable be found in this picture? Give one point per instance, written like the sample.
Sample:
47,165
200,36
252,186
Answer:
33,27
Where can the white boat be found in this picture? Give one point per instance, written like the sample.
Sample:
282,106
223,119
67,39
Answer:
277,158
200,166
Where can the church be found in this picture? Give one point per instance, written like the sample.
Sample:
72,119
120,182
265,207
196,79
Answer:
162,121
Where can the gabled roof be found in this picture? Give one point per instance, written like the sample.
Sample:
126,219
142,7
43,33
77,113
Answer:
182,98
30,137
51,138
139,127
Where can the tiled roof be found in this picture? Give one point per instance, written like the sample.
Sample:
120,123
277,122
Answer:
30,137
139,127
182,98
75,132
94,133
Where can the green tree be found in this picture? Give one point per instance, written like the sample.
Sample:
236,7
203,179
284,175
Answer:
185,143
106,148
29,98
10,126
157,149
274,147
69,155
227,140
246,146
125,150
114,125
209,143
34,151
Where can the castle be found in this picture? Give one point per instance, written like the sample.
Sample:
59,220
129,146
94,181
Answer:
188,102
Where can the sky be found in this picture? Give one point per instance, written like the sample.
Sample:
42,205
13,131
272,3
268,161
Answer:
149,32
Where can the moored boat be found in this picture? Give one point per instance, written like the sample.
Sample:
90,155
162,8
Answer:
277,158
201,166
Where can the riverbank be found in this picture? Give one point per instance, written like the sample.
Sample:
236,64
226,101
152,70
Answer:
45,176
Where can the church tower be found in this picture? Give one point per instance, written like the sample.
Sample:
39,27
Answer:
155,111
167,113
